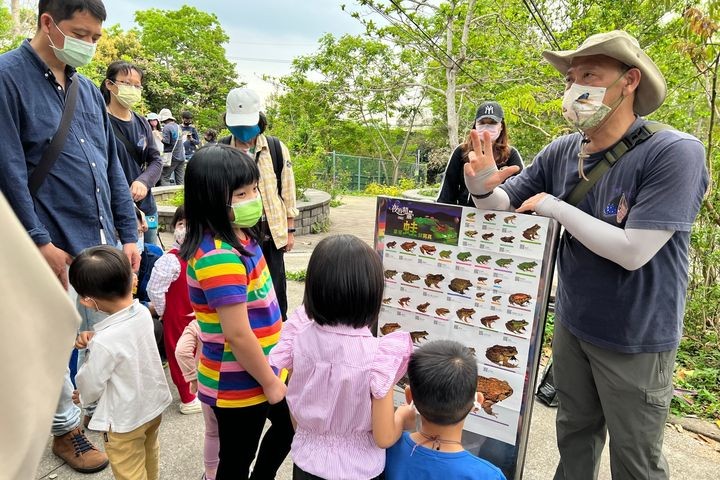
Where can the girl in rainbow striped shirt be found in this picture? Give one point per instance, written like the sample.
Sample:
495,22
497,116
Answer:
234,301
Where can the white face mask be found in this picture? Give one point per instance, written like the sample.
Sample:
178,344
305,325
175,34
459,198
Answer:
179,234
493,128
75,53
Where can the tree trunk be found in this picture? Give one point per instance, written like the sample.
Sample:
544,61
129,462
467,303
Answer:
452,115
15,12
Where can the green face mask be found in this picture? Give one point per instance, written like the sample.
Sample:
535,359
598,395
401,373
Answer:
75,53
127,95
248,212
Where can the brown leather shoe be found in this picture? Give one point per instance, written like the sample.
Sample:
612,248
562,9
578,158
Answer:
77,451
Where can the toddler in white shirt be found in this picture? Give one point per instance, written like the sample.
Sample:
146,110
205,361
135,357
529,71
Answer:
122,370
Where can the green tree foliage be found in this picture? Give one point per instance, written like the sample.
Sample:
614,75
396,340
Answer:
14,28
368,82
6,28
186,64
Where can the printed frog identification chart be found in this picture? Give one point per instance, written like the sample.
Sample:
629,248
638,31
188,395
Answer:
481,278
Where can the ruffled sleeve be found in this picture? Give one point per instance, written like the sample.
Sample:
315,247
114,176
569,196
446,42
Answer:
281,356
390,362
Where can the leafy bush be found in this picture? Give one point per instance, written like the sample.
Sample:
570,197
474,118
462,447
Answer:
430,192
376,189
697,371
298,276
178,199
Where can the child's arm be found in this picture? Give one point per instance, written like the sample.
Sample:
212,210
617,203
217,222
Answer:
83,338
185,351
165,271
387,424
94,374
389,365
244,345
281,355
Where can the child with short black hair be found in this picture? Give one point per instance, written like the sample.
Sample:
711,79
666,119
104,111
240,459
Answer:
122,370
341,388
443,387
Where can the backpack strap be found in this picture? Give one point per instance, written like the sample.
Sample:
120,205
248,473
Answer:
627,143
277,160
276,154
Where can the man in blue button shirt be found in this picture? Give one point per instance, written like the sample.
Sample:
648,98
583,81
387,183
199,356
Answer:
84,200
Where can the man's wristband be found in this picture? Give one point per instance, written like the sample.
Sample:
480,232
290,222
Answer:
291,230
484,195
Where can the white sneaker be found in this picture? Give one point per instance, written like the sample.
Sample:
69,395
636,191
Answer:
191,407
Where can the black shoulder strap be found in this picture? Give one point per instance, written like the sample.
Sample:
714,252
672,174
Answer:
57,143
627,143
277,160
128,146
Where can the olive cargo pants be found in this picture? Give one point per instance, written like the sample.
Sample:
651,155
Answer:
625,395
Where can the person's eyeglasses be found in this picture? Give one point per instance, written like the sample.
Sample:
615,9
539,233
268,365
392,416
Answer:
121,82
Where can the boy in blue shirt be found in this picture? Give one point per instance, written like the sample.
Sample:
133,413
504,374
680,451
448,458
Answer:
442,385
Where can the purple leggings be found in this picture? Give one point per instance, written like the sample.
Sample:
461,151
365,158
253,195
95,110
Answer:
212,442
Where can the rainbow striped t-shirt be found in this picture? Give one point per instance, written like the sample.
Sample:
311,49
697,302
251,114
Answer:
219,275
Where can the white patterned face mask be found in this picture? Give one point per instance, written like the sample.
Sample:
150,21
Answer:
179,234
583,106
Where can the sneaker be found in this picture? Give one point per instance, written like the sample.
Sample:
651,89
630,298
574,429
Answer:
191,407
77,451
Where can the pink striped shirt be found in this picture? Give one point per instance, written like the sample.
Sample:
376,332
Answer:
336,371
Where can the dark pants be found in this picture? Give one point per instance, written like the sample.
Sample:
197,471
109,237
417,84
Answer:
174,174
275,260
298,474
240,429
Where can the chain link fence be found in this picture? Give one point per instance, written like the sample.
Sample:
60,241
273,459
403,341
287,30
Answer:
354,173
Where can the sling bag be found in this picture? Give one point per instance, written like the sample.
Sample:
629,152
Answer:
51,154
611,157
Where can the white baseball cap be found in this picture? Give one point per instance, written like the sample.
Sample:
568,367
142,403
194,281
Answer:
242,108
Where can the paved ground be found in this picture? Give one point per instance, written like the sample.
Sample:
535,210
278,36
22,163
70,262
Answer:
181,436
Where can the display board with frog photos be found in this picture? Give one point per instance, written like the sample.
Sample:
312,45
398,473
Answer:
482,278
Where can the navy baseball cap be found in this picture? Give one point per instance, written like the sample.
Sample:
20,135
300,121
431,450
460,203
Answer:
491,110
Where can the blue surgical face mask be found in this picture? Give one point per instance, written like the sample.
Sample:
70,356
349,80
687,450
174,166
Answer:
245,133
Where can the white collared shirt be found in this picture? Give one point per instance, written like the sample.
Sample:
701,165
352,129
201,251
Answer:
123,372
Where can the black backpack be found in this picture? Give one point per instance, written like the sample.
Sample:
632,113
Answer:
275,153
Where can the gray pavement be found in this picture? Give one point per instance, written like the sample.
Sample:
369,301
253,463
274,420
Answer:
181,436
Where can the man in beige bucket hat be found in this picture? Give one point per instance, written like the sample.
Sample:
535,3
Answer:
623,260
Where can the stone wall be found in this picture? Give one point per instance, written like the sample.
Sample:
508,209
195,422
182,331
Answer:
314,210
